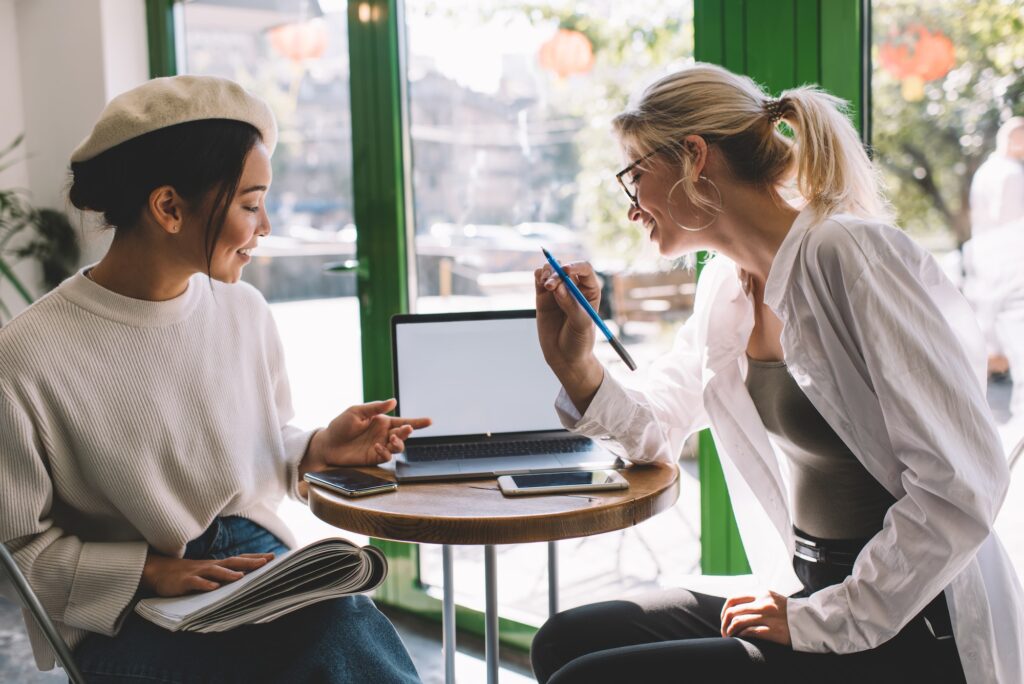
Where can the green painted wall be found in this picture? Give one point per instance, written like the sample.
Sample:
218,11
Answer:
160,36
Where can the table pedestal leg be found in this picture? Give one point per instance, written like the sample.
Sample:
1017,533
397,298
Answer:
552,578
491,614
448,615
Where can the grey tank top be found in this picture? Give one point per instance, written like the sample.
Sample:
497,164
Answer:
833,496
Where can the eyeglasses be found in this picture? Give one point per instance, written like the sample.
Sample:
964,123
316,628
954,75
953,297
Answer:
628,181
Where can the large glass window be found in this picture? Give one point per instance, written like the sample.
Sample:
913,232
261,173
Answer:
948,77
509,112
294,54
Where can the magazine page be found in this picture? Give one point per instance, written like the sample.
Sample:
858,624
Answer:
321,570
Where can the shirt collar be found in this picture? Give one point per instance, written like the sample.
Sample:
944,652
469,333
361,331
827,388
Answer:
782,264
93,297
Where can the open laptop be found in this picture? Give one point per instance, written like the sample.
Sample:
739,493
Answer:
482,378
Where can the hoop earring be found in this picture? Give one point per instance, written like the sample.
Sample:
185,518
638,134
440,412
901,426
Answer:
707,225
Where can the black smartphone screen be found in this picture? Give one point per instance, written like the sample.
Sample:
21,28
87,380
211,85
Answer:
352,480
584,477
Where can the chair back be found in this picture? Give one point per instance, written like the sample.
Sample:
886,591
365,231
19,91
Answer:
30,601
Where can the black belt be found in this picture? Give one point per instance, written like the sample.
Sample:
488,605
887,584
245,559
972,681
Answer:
844,553
822,552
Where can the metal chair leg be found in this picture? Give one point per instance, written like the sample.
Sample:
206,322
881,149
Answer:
31,601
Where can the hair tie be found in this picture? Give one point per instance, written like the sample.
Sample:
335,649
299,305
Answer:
773,110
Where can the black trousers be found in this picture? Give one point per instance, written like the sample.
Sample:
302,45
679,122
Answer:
674,635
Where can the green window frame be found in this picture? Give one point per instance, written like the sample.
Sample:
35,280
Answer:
780,43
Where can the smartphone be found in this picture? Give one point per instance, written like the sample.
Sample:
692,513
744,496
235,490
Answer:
350,482
564,481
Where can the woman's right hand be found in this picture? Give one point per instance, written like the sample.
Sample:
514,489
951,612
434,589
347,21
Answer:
566,331
168,576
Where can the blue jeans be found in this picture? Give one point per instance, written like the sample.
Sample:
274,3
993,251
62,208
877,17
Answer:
345,640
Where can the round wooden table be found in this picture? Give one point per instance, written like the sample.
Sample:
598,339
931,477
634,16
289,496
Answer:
476,512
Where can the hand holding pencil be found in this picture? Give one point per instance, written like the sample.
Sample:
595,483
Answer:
590,310
567,330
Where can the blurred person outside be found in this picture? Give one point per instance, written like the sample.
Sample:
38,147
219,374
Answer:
992,257
997,189
994,284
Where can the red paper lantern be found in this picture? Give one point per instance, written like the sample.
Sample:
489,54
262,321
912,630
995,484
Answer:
567,53
918,53
300,41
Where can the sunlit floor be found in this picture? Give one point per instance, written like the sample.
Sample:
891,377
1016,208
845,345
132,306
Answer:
423,641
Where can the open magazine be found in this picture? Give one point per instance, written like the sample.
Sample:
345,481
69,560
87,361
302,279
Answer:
316,572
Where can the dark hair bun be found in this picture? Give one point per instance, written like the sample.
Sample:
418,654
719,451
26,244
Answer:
194,158
87,191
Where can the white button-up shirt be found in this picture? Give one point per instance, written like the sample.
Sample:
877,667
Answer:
889,353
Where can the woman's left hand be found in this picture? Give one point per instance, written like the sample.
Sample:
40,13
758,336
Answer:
361,436
761,617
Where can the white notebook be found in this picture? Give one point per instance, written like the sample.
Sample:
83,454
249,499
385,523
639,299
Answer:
316,572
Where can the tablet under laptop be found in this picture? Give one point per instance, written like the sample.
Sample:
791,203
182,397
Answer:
482,378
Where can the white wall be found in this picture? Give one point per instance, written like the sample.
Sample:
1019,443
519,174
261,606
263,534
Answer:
12,120
12,123
61,61
63,86
125,47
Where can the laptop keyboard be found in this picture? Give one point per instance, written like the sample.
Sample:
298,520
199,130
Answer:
454,452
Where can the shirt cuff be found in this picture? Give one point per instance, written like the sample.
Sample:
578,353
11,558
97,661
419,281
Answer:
296,442
610,412
566,410
802,633
106,579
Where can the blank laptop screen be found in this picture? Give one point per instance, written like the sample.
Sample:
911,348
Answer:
475,377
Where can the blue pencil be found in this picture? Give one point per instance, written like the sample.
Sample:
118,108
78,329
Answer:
616,345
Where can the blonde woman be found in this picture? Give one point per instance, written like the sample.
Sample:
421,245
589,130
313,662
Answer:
842,377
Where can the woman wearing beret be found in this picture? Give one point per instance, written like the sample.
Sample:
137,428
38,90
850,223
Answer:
144,411
842,376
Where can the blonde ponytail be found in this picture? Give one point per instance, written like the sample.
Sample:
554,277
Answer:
826,160
833,171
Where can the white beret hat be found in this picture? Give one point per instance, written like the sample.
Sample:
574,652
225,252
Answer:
164,102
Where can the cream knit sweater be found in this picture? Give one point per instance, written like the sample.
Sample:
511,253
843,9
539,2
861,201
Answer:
126,423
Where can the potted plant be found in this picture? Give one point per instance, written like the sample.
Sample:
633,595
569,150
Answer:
50,239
